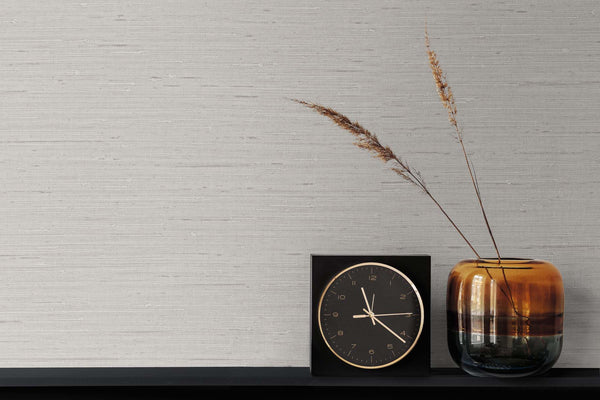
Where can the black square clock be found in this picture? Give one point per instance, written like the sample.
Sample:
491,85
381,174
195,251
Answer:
370,315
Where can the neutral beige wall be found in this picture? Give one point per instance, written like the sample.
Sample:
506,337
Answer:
160,196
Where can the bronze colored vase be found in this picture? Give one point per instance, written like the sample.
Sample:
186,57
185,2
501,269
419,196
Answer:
505,319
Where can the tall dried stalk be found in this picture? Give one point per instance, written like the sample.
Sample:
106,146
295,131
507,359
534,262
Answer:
368,141
447,97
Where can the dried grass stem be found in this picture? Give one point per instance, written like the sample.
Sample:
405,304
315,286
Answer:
447,97
369,141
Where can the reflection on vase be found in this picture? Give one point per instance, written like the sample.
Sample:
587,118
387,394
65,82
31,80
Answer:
505,319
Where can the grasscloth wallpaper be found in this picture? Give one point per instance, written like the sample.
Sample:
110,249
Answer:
160,195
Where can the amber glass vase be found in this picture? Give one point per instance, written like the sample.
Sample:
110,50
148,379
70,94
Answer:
505,319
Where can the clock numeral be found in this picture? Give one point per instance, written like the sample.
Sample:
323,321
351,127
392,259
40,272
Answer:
353,283
402,297
335,314
341,297
340,333
390,346
403,333
350,351
372,277
371,351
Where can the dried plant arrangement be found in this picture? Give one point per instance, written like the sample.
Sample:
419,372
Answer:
369,141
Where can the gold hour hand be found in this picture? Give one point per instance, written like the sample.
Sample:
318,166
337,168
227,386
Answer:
369,313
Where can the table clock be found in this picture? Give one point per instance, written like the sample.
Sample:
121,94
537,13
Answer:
370,315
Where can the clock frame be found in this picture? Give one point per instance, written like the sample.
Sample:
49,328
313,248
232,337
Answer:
325,361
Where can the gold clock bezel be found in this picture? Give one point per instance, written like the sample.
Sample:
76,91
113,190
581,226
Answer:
420,305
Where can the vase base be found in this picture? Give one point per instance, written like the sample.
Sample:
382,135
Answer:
504,356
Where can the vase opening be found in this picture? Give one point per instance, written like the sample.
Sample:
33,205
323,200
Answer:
505,262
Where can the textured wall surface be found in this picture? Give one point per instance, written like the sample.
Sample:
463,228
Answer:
160,195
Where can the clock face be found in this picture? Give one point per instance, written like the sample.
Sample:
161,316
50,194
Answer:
370,315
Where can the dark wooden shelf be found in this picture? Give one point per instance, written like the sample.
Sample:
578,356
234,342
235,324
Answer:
249,378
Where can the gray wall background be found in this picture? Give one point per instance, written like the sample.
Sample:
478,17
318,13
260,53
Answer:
160,195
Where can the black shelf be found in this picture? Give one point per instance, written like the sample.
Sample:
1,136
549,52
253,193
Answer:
278,379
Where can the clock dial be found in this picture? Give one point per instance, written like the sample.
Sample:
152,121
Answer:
370,315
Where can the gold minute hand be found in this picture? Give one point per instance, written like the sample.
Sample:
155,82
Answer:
385,326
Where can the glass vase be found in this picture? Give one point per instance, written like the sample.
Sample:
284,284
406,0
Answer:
505,318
